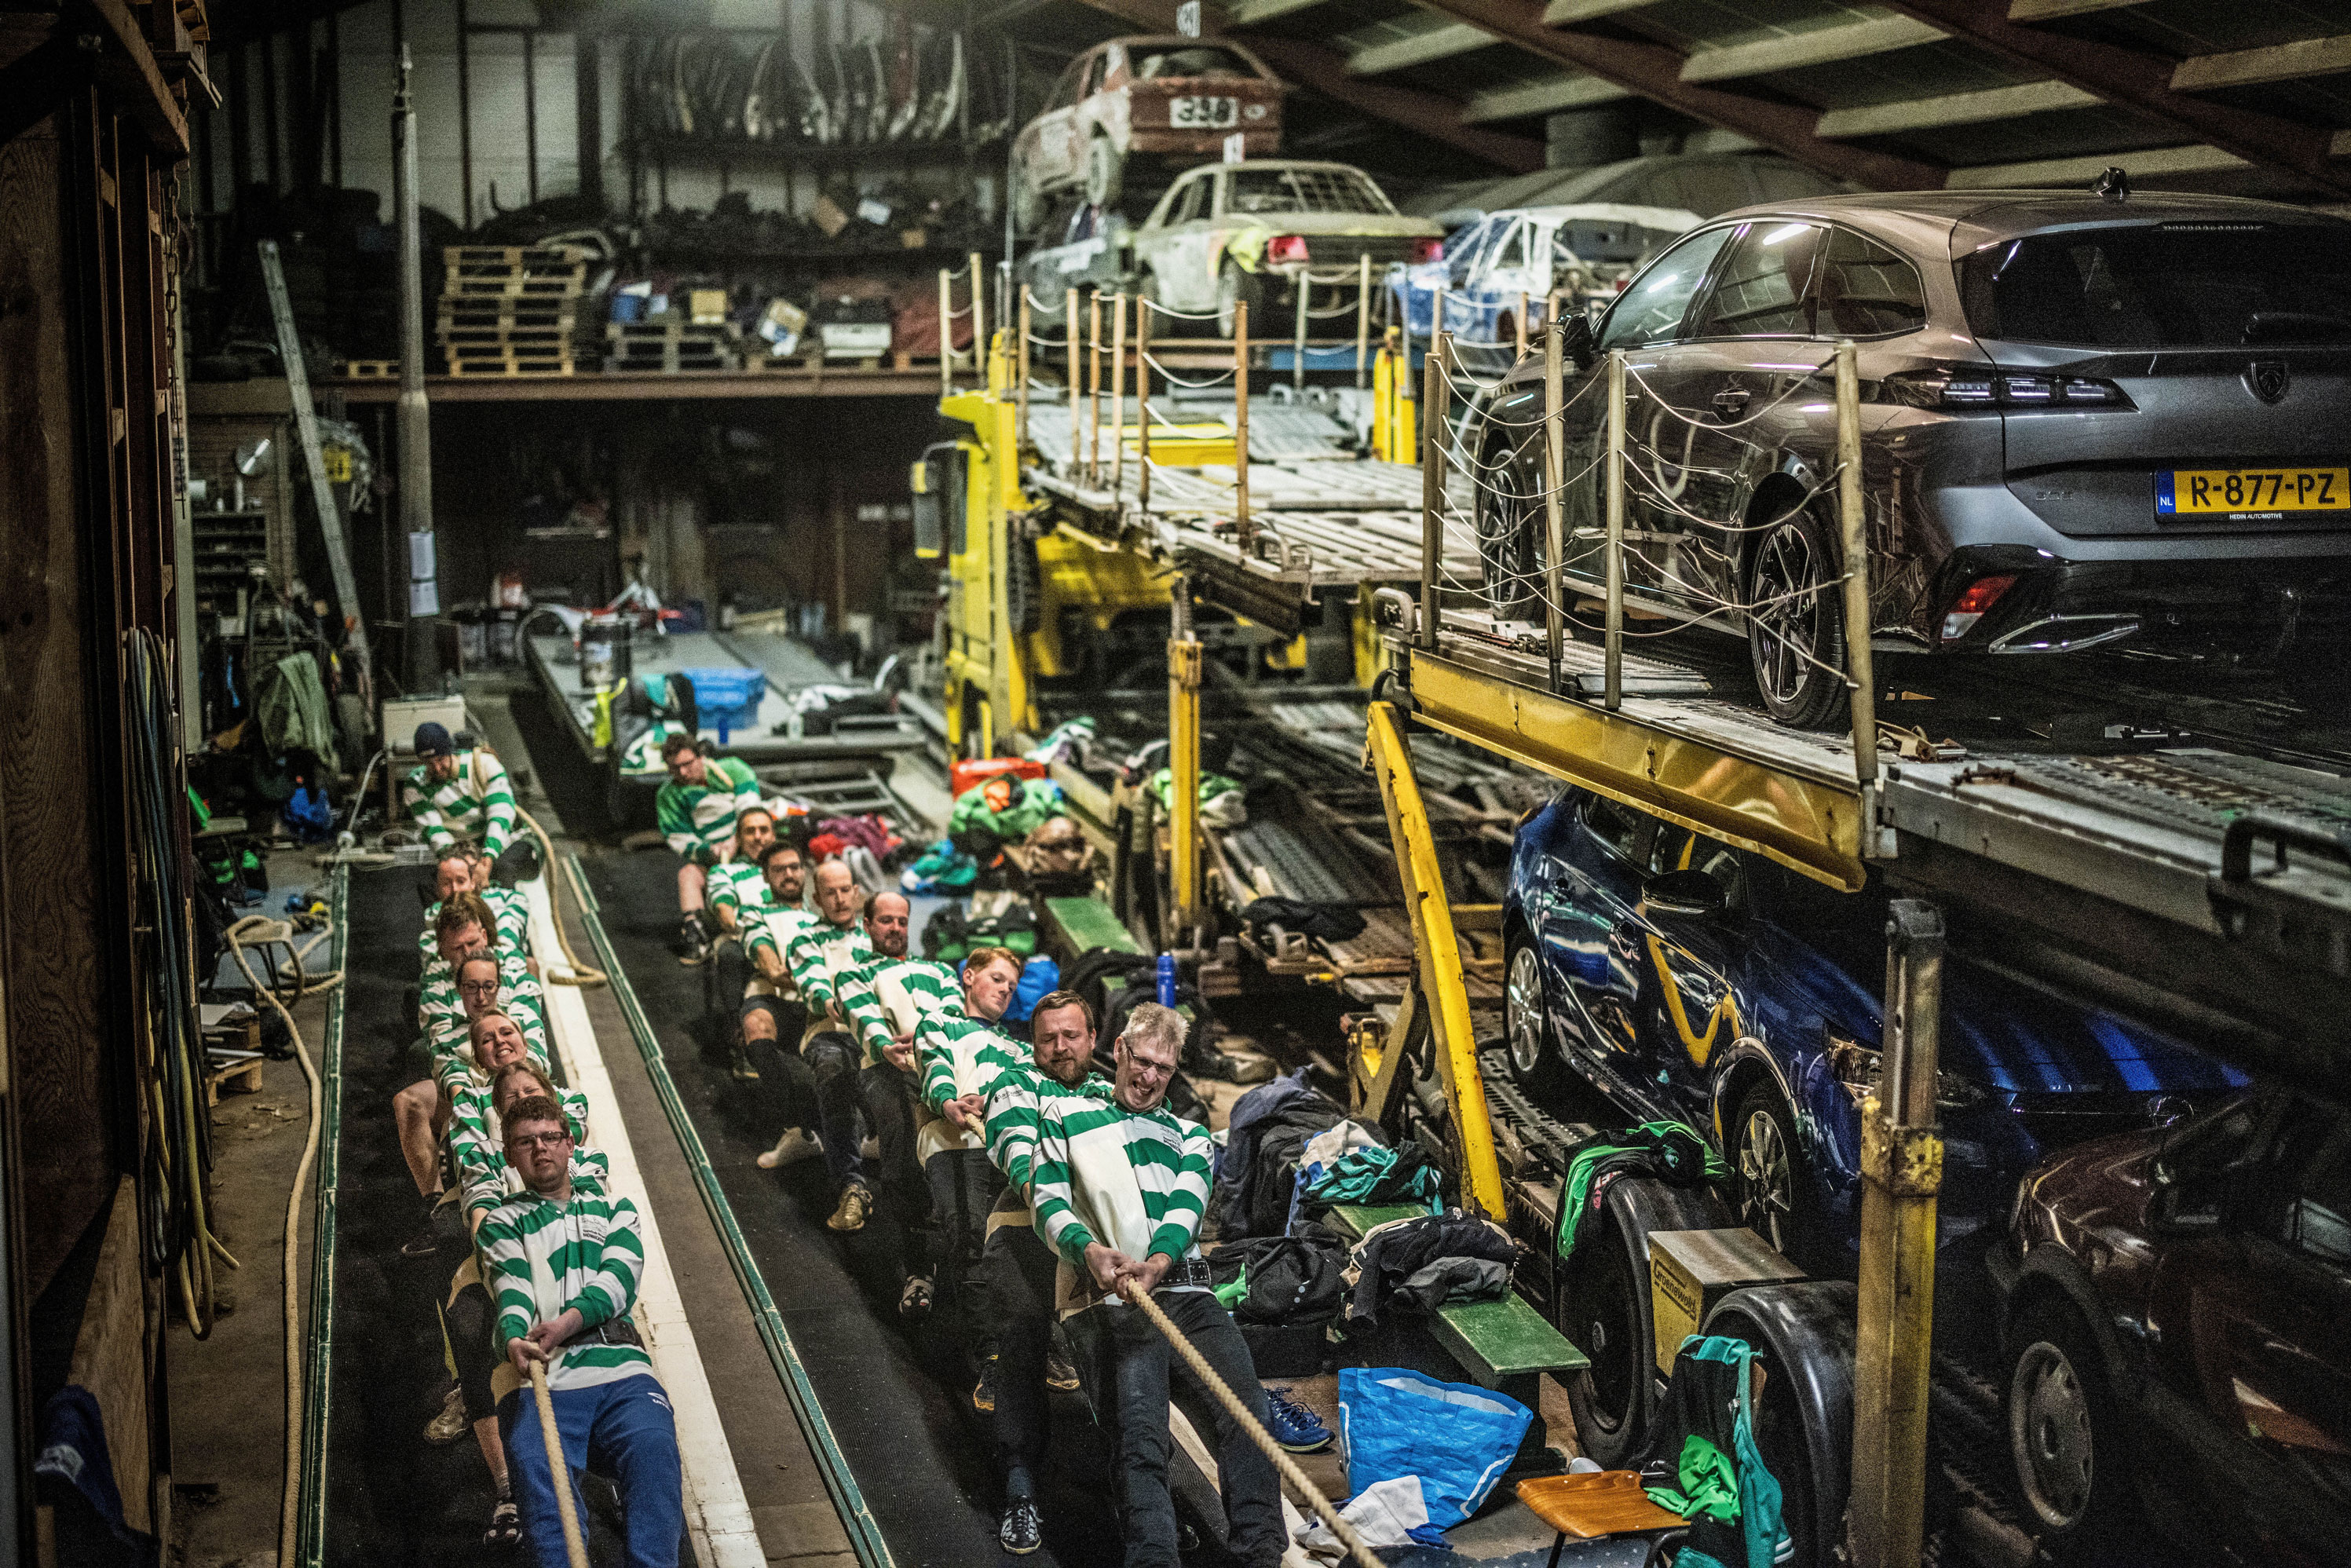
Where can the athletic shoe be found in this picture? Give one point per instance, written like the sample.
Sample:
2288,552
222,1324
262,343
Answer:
738,1062
450,1423
693,941
1023,1530
983,1392
914,1300
427,1240
849,1214
506,1525
798,1143
1059,1372
1293,1425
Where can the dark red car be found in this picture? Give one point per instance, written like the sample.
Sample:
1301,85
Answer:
2176,1315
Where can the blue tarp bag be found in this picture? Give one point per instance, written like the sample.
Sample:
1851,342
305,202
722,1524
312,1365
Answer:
1457,1438
1040,978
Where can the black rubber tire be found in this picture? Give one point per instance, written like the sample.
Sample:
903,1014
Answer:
1788,1221
1024,592
2049,1334
1795,553
1534,1057
1804,1336
1105,172
1508,558
1602,1305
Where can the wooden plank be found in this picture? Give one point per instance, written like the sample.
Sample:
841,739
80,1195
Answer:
1423,47
1541,98
2044,172
2250,67
1955,108
1504,1338
1568,13
1813,46
1089,923
2057,10
110,1354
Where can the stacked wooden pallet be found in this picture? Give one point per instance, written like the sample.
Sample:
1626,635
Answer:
510,309
665,347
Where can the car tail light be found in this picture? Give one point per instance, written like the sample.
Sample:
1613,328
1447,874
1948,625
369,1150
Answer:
1969,608
1427,250
1973,386
1286,249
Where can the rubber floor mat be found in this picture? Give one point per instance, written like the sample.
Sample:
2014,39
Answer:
899,1404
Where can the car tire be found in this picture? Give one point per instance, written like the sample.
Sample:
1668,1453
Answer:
2065,1434
1770,1188
1795,638
1105,172
1602,1304
1028,204
1507,559
1235,286
1534,1057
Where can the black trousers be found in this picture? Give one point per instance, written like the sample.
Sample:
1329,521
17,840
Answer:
1015,1278
468,1319
962,1190
815,1086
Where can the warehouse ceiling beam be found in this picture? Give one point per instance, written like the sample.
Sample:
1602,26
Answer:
1250,13
1568,13
1815,47
1423,47
1309,65
2134,79
2145,164
1312,65
2058,10
2250,67
1955,108
1549,97
1655,72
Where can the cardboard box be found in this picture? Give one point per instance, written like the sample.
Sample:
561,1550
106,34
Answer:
1690,1271
706,307
402,715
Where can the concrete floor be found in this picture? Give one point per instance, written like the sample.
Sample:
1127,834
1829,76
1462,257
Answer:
227,1393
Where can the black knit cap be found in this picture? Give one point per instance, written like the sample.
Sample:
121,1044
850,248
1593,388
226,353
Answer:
433,740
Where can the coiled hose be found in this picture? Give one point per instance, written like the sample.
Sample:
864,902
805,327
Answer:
182,1243
260,932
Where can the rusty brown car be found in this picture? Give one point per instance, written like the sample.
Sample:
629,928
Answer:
1177,99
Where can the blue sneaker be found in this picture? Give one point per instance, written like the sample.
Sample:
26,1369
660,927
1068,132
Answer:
1294,1427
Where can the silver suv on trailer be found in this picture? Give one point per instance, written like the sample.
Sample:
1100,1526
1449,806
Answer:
2087,421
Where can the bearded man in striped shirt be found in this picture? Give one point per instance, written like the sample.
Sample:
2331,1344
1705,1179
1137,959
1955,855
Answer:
1120,1188
454,794
564,1264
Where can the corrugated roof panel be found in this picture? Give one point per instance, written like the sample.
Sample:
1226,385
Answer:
1692,24
2179,29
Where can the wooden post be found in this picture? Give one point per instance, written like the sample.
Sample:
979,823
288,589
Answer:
1143,398
1521,324
1432,485
1298,344
1435,317
1021,394
1363,316
946,339
1555,520
1117,391
1244,531
979,323
1075,348
1613,648
1854,525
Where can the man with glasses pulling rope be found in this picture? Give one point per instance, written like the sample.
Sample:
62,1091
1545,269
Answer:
1120,1189
564,1263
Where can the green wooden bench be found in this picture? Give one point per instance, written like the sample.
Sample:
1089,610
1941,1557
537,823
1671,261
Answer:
1089,923
1505,1345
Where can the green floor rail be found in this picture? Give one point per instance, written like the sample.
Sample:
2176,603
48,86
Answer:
865,1532
310,1519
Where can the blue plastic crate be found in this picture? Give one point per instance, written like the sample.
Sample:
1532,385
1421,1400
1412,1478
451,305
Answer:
727,700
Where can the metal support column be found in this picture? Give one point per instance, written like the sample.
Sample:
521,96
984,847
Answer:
415,415
1853,529
1436,950
1432,489
1901,1173
1612,646
1554,513
1244,530
1184,769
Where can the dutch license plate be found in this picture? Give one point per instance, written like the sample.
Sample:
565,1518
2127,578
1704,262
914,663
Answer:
1204,113
2251,492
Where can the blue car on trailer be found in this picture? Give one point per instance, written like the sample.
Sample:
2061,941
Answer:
1684,979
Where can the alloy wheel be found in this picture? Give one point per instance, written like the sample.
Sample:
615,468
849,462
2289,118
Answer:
1787,617
1523,1013
2049,1426
1767,1185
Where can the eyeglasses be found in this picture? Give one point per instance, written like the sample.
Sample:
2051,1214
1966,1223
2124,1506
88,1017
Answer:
538,1140
478,988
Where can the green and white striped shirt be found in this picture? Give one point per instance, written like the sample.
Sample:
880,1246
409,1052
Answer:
440,1014
737,885
477,1143
959,1056
545,1257
890,994
820,953
1012,1102
698,820
477,803
509,911
1135,1181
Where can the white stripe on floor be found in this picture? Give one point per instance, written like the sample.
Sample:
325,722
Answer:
718,1517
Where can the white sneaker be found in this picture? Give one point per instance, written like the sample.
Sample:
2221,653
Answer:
871,1149
798,1143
